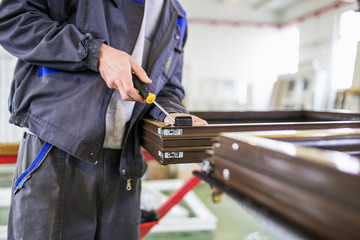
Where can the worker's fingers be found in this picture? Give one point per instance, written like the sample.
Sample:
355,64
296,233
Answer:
110,84
168,121
115,69
196,121
130,92
139,71
123,94
121,89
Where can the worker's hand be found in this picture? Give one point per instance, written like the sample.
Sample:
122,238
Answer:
196,121
115,67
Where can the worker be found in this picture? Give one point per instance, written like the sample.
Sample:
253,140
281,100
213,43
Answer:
79,162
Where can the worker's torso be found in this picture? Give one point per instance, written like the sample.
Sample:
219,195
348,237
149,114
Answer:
68,108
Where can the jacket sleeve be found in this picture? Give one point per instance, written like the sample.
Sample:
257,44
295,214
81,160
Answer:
27,32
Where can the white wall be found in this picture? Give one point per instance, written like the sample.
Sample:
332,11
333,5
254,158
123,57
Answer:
229,67
304,7
315,51
233,58
227,10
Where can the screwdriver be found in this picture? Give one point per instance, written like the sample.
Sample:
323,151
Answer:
147,95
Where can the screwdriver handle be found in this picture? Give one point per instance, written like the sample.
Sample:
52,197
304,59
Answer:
143,90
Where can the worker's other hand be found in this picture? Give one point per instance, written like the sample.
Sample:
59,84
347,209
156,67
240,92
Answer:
196,121
115,67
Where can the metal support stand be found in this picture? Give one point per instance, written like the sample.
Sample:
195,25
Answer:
173,200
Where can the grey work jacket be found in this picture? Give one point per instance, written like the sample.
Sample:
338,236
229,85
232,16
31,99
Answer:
57,91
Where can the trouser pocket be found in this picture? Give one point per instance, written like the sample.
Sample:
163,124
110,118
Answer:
20,181
36,204
25,176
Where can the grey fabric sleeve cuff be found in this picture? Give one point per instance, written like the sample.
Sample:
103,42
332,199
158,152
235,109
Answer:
92,47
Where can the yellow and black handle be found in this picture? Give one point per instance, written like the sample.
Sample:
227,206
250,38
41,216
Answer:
150,98
143,90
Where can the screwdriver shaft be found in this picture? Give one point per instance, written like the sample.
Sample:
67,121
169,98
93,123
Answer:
163,110
147,95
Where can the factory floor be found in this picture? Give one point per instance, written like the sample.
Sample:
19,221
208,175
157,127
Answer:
233,222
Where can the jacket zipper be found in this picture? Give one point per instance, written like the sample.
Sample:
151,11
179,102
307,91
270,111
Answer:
128,181
132,49
164,41
128,184
156,54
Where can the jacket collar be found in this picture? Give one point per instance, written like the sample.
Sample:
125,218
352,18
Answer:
117,3
178,8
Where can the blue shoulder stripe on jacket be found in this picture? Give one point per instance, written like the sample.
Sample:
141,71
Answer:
182,22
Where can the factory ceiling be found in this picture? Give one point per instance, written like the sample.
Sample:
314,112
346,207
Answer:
258,11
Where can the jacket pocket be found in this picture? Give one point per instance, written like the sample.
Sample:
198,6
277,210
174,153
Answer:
175,55
35,164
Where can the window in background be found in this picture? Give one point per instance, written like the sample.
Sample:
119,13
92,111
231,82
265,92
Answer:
289,51
345,50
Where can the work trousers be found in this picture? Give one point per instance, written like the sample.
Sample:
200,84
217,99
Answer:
66,198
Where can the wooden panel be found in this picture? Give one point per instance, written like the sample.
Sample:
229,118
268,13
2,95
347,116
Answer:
179,138
305,167
313,189
312,213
